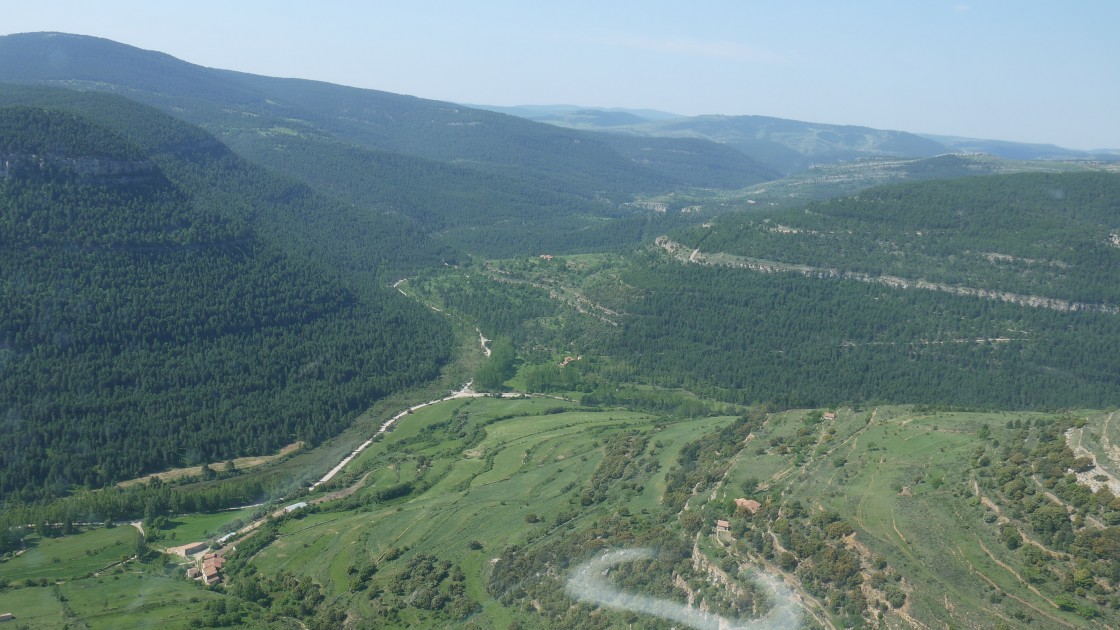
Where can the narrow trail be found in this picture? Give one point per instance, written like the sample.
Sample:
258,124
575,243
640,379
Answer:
991,505
1089,518
1014,573
465,392
992,583
863,500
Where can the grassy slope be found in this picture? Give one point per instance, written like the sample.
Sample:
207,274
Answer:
67,557
525,465
901,476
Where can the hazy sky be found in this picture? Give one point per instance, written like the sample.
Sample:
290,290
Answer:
1023,70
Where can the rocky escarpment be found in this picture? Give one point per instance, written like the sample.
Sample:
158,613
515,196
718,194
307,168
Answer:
688,255
86,168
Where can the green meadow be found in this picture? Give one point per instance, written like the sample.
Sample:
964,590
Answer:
521,481
71,556
467,480
187,528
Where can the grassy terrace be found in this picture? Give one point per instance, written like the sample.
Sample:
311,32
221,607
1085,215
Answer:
905,480
486,474
514,484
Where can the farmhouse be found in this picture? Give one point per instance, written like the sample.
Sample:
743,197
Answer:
830,416
723,526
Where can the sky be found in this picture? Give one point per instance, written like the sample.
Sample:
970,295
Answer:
1042,71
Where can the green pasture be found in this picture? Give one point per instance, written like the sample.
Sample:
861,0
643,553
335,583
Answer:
132,600
71,556
187,528
672,438
34,607
121,599
410,428
903,479
522,480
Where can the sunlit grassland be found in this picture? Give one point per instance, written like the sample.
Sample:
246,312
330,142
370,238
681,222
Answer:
488,473
904,479
132,600
521,481
187,528
119,599
71,556
34,607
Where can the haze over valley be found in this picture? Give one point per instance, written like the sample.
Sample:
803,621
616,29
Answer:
285,353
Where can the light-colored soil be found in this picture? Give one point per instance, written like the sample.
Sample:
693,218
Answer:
241,463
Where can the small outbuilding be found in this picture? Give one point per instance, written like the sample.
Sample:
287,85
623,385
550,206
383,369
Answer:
723,526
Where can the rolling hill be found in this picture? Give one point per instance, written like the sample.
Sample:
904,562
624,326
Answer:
778,142
428,155
877,407
158,287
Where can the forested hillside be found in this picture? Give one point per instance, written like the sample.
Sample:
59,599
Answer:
165,303
1046,234
514,375
433,162
995,292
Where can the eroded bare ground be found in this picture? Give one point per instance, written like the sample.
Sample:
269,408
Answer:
695,256
1101,473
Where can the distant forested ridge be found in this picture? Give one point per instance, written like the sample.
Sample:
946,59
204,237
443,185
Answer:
161,302
809,334
750,337
996,292
1051,235
492,184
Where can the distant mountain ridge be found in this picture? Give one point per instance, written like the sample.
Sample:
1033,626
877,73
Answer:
816,142
542,172
1021,150
785,145
551,113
